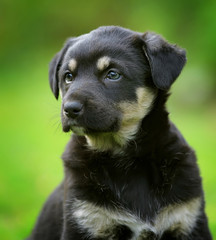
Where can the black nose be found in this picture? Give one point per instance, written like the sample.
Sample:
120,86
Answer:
73,109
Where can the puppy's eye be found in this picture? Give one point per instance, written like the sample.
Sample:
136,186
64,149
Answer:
68,78
113,75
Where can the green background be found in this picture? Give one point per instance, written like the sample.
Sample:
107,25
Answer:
31,139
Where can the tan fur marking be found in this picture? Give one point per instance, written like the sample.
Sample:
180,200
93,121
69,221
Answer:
78,130
99,221
179,216
134,112
105,141
72,64
103,63
60,92
137,110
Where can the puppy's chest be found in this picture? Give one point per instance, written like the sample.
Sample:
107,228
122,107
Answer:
118,223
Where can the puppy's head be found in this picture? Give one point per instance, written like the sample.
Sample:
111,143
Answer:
108,80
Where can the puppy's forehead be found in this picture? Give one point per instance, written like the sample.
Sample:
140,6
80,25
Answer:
102,63
100,46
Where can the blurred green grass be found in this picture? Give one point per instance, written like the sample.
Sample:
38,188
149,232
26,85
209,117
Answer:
32,142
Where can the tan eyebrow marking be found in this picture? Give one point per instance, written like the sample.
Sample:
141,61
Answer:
103,63
72,64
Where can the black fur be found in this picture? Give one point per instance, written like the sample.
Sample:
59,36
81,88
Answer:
154,170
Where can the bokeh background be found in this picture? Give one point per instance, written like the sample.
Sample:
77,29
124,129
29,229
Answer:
31,140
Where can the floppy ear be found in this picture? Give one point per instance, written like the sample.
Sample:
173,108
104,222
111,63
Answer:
166,60
53,72
54,67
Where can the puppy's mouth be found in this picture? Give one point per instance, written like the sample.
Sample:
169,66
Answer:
80,128
72,125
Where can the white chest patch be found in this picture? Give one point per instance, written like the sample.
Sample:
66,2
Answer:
100,222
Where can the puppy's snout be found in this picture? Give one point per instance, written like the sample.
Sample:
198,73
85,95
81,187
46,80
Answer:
73,109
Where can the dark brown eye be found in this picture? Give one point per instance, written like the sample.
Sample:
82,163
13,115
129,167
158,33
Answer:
68,78
113,75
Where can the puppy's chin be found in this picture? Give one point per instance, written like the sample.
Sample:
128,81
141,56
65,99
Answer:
78,130
81,131
75,129
66,127
72,125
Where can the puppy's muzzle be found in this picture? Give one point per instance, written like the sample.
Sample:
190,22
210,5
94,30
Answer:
73,109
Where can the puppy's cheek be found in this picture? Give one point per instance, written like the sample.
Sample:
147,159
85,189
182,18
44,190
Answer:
103,125
100,116
134,111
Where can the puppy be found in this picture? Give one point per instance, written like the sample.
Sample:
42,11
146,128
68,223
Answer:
129,173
